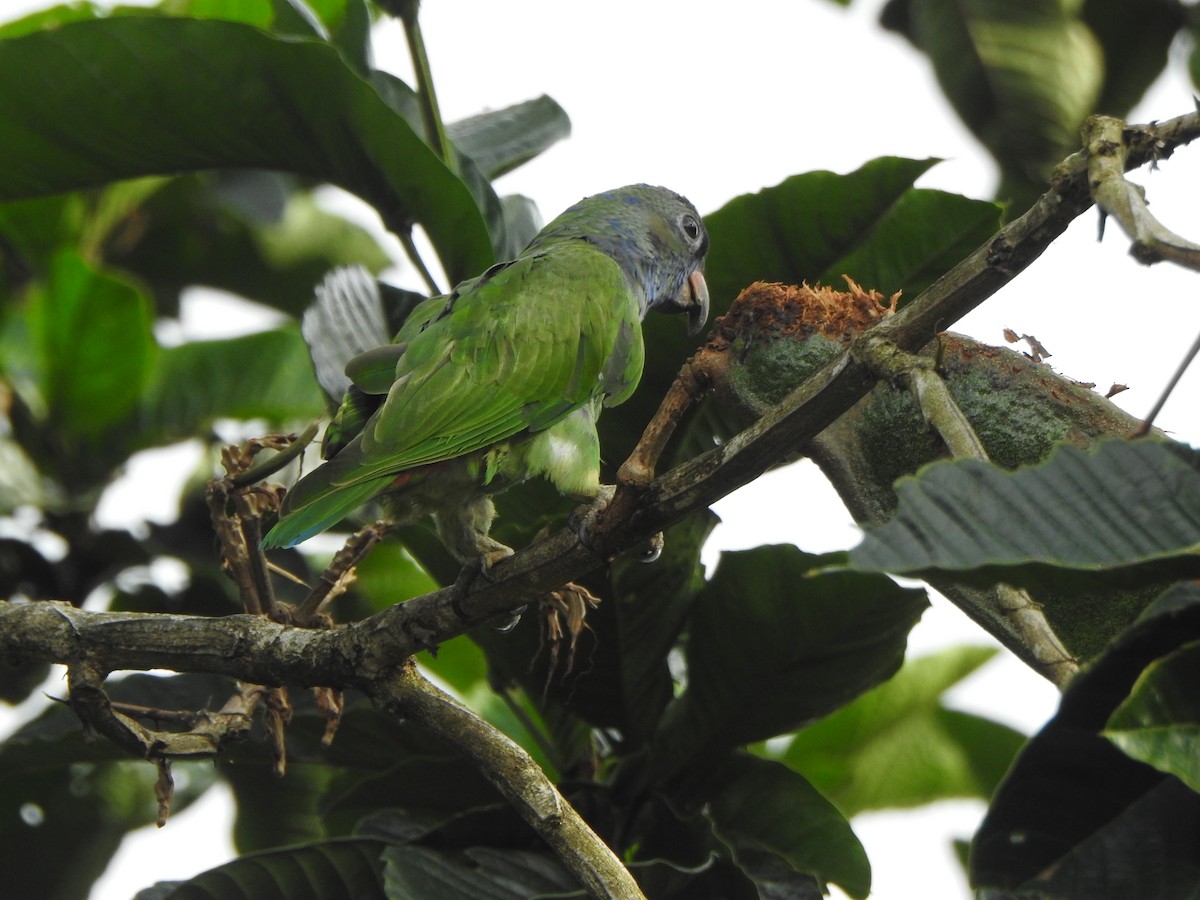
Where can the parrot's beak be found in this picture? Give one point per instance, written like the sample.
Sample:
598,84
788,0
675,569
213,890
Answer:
695,301
691,299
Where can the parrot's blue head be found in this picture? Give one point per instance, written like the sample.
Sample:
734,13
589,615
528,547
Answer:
657,238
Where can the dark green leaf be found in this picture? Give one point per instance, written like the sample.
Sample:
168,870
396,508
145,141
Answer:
1022,77
803,228
760,805
1073,803
330,870
251,105
1123,505
480,873
436,790
652,602
1135,47
1159,722
917,239
194,232
274,811
773,646
897,745
265,375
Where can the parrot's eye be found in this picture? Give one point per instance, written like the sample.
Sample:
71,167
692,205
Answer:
691,228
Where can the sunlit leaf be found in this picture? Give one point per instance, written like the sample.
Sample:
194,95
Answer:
898,745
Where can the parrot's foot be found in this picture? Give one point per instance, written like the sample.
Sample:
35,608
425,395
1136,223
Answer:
564,618
490,553
584,520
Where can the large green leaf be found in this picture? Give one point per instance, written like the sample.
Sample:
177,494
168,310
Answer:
329,870
482,873
249,233
1159,722
265,375
273,811
1124,505
897,745
246,99
1135,47
1022,76
95,349
773,646
760,805
869,224
1073,803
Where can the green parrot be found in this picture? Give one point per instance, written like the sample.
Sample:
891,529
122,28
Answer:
503,379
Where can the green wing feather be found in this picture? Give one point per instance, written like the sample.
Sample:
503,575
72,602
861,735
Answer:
515,350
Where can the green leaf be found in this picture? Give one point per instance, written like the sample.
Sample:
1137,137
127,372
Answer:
260,13
652,602
1135,48
869,224
1073,802
266,375
760,805
501,140
433,790
773,646
1159,722
1021,76
897,745
54,17
918,238
251,105
1123,505
482,873
329,870
389,575
273,249
274,811
94,344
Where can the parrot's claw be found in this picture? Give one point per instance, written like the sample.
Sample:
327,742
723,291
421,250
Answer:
652,549
489,554
584,518
514,619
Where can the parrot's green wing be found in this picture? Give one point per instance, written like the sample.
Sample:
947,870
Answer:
513,351
519,351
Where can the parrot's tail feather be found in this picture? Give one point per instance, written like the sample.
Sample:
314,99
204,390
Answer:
322,512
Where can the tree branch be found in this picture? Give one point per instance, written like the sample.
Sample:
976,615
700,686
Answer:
407,694
252,649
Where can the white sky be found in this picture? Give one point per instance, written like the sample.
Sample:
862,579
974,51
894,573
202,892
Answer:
715,100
